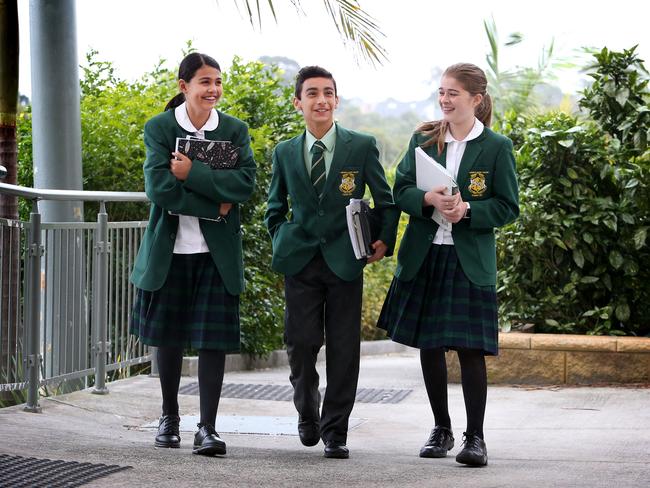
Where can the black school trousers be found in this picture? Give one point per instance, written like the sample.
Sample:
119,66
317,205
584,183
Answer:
323,308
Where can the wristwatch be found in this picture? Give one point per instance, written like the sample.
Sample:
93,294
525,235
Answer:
468,212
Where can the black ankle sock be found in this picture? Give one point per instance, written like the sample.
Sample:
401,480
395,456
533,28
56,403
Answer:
170,363
474,381
211,368
434,370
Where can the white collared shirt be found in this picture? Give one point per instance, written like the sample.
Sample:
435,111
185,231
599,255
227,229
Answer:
455,151
189,238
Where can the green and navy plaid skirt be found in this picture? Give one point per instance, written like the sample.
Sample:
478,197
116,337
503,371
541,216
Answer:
191,310
440,307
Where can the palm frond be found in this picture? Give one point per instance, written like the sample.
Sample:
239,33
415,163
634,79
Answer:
492,57
514,39
250,11
355,26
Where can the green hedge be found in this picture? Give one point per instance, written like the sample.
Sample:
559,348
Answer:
577,259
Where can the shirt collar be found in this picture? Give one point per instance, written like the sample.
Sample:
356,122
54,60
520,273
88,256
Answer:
328,139
476,131
183,120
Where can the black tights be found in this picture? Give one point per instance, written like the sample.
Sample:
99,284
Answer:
211,369
474,381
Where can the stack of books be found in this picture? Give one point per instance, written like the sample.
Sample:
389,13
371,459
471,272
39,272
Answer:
362,227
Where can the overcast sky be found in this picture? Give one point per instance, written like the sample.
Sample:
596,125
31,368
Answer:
420,36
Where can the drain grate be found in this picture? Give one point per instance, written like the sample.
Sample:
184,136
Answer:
284,393
379,395
17,471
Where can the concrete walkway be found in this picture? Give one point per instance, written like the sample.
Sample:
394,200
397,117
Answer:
536,437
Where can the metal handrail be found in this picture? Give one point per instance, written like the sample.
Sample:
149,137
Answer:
79,195
35,252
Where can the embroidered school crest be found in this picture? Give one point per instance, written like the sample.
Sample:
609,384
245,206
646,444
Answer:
477,184
347,185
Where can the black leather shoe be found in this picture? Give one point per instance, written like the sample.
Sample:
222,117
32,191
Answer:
440,441
336,450
309,432
474,452
208,442
168,432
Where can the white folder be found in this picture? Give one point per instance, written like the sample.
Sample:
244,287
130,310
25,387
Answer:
429,173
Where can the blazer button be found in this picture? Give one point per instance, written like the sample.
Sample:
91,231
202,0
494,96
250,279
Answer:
172,236
323,240
321,212
430,237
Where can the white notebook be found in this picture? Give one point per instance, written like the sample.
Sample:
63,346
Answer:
429,173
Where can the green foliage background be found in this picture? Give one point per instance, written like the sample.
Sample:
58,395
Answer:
577,260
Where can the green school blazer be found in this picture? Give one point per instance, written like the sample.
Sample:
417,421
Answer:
487,180
199,195
300,224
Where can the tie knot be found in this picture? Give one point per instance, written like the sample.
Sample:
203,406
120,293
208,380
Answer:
318,147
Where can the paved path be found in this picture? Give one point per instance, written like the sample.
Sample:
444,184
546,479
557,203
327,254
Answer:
536,437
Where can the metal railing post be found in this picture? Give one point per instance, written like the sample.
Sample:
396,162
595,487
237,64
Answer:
154,362
33,306
100,294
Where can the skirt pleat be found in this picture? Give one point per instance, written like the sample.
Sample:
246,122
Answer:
440,307
193,309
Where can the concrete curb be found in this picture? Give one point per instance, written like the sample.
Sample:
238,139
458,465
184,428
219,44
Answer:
564,359
538,359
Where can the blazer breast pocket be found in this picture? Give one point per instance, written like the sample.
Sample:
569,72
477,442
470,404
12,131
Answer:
479,183
349,183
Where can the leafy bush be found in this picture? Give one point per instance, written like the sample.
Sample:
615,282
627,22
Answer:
619,101
113,113
24,170
576,260
618,98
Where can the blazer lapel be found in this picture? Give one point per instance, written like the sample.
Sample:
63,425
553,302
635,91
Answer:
472,152
297,157
339,158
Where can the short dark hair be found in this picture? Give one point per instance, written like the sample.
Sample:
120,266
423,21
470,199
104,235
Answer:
312,72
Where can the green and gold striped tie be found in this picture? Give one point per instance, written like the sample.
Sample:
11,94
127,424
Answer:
318,167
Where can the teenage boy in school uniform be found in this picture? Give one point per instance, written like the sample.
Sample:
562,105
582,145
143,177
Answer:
314,176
